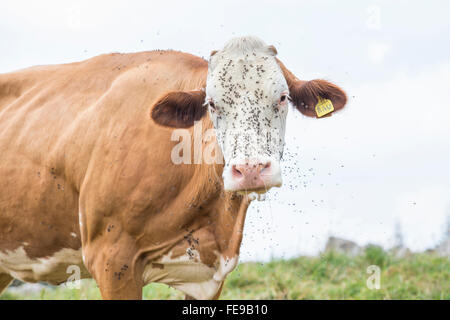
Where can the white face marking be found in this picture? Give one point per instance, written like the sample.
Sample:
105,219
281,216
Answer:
73,234
245,89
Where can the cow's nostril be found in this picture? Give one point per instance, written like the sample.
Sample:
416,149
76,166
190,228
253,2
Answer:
236,171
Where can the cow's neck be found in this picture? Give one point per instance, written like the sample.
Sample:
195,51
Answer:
228,209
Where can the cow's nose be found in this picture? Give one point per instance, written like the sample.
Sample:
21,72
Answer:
250,170
252,175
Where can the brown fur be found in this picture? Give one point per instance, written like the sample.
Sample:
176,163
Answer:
304,93
5,280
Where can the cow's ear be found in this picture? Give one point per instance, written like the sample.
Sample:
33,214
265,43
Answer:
179,109
305,96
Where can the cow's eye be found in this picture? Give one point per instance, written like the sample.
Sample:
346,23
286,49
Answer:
211,104
284,98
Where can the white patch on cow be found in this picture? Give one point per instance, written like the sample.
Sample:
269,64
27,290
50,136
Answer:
73,234
226,265
186,273
204,290
20,266
25,244
252,196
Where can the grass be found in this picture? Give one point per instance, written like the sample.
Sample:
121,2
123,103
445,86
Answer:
329,276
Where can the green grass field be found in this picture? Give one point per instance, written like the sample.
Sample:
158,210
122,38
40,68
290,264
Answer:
329,276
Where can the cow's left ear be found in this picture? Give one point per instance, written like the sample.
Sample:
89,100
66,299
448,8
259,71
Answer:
179,109
306,95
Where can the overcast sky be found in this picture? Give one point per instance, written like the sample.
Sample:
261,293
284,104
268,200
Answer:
354,175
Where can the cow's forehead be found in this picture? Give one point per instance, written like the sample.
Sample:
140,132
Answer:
237,78
244,67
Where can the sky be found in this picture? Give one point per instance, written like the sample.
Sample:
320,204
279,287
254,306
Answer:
383,161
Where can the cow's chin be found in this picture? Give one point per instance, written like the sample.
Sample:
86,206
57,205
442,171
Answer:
253,194
232,186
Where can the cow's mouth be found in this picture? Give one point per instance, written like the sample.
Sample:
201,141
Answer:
256,190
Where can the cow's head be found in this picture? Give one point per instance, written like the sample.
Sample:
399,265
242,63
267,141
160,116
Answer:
247,96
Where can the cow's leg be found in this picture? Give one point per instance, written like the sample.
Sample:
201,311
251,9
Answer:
5,280
115,270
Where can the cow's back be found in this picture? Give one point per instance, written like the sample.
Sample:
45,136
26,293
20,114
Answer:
53,122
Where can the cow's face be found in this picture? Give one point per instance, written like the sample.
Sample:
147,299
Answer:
247,98
247,95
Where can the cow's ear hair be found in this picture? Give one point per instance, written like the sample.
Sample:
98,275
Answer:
305,94
179,109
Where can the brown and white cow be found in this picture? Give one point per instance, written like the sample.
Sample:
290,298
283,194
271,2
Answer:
87,170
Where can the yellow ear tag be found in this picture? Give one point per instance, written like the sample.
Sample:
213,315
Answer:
323,107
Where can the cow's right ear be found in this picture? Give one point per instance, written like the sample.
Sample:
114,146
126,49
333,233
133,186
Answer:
179,109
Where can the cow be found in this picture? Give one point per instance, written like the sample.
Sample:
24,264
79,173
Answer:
93,175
